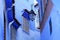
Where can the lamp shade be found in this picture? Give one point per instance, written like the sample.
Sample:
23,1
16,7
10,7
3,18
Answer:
26,14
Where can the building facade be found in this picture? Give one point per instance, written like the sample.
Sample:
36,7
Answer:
29,20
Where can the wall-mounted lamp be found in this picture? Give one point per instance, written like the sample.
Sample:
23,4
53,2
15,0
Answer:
26,14
29,15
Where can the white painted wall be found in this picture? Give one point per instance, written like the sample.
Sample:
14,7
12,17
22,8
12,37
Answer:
33,34
55,17
45,35
55,24
1,20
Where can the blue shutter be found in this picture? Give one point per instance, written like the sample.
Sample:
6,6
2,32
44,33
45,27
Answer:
16,24
8,3
9,16
13,10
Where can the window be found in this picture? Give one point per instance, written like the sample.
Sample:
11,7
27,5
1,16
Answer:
50,24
